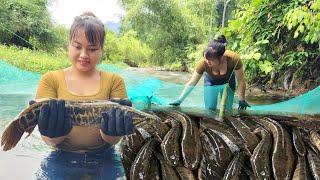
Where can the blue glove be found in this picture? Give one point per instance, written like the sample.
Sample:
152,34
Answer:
176,103
53,119
116,122
123,101
186,91
243,105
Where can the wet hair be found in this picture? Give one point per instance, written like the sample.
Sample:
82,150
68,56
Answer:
215,48
93,28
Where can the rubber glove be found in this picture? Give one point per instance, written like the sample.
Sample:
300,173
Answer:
186,91
116,122
124,101
243,105
31,102
176,103
53,119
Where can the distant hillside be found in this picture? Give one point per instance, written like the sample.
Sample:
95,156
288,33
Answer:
115,27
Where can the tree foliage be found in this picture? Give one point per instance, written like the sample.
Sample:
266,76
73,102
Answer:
126,48
26,23
275,36
166,26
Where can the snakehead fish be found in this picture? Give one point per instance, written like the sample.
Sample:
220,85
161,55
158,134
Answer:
282,157
298,141
170,145
259,159
234,169
82,113
249,138
315,139
190,141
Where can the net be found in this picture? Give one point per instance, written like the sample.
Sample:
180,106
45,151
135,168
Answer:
145,90
308,103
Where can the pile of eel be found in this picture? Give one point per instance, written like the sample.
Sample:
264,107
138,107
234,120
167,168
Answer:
191,147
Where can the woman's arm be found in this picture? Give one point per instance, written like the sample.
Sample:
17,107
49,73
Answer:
242,84
194,79
190,85
188,88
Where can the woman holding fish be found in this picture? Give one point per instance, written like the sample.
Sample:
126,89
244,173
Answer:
220,66
82,81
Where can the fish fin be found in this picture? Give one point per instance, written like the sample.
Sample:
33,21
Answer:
29,130
11,135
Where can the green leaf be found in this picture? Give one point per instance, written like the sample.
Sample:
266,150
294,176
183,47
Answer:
265,41
256,56
301,28
296,34
266,66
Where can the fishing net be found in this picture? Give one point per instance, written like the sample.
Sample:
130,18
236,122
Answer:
145,90
16,81
308,103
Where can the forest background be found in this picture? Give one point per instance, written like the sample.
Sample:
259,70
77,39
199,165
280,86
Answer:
277,40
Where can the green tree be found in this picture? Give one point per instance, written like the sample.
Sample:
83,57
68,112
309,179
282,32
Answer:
277,37
26,23
166,26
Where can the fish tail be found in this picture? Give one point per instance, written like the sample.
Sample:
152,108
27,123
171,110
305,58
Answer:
11,135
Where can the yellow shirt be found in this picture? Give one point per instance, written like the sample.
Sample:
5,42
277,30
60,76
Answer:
233,62
53,85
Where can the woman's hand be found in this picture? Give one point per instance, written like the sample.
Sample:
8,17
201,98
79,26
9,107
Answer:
176,103
122,101
53,119
243,105
116,122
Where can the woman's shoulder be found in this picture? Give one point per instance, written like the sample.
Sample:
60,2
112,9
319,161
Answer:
234,59
200,66
53,74
200,62
231,54
109,75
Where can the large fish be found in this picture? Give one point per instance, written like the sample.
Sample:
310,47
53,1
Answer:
315,139
298,141
314,164
301,171
249,138
216,154
140,168
282,157
82,113
260,160
170,145
190,141
130,146
234,169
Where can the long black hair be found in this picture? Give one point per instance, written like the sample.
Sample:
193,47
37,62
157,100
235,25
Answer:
215,48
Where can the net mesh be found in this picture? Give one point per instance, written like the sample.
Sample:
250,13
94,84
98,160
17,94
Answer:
144,90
